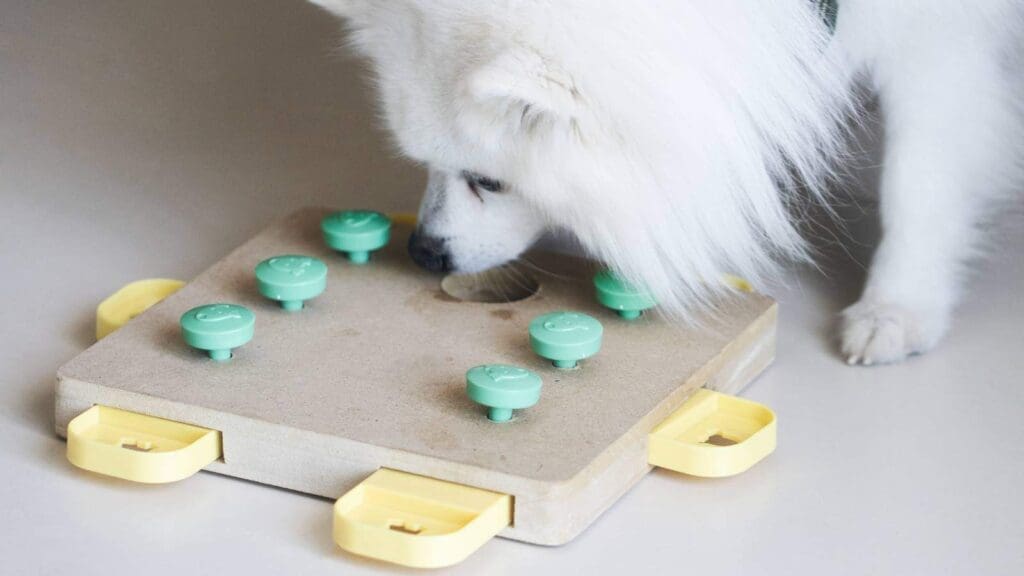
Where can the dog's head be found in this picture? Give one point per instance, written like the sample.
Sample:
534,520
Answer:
662,135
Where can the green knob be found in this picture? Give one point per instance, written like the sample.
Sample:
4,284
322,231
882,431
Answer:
502,389
356,233
291,279
565,337
626,299
218,328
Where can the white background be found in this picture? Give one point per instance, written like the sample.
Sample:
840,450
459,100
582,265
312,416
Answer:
145,138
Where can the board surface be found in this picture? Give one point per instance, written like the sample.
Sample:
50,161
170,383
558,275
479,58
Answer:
372,374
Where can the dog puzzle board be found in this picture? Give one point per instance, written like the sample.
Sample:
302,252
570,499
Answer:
371,374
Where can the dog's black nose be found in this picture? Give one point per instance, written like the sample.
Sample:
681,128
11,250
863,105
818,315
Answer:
429,252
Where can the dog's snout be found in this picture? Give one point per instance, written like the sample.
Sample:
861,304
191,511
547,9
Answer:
429,252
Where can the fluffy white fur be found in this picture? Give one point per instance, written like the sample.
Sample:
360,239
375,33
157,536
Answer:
676,138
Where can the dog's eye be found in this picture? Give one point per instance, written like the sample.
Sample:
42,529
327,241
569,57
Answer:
479,182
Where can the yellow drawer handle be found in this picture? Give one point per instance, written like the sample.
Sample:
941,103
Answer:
138,447
713,435
130,301
403,219
738,284
417,521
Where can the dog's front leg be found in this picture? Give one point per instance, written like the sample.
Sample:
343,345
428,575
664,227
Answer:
949,124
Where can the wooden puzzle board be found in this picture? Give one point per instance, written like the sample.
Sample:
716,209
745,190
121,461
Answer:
371,374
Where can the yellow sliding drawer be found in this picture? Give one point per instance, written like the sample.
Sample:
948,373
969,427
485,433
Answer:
418,521
713,435
140,448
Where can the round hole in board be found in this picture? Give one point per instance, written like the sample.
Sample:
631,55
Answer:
499,285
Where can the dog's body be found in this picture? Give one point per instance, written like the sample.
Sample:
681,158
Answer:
670,136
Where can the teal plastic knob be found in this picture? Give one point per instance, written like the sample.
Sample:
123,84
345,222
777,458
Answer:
218,328
291,279
502,389
565,337
623,297
356,233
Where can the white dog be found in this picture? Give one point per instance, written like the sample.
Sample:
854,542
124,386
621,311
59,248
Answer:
672,137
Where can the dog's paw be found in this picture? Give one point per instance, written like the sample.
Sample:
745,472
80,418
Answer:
876,332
